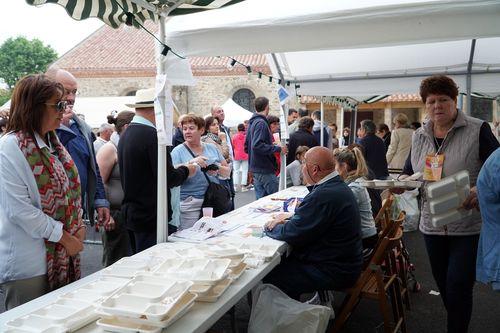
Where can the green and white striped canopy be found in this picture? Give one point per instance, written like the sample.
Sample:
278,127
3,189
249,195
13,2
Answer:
116,12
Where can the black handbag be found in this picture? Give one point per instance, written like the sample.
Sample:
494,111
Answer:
217,196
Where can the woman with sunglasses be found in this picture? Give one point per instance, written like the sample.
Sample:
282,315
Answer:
41,227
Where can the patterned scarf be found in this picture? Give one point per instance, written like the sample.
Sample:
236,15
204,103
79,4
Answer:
59,186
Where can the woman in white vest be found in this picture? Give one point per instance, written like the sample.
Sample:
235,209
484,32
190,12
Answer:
448,142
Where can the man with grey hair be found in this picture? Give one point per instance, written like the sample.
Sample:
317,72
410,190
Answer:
374,149
77,138
104,131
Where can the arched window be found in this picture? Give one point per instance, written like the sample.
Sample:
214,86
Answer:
245,98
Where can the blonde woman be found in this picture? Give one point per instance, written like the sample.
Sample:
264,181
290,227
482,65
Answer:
400,145
351,166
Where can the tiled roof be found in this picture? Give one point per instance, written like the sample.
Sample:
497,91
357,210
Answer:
390,98
128,51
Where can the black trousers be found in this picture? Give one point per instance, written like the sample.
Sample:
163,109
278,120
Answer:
453,263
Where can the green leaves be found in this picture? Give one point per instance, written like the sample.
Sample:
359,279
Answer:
20,57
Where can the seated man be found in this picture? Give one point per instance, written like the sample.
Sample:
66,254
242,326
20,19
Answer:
324,233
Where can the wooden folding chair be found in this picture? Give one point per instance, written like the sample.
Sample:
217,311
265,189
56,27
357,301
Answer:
384,214
374,284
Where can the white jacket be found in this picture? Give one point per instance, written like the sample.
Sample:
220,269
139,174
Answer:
23,225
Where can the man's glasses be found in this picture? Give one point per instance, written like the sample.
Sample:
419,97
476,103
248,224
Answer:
71,92
60,106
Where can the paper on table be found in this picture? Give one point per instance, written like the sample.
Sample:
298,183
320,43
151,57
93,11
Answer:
205,228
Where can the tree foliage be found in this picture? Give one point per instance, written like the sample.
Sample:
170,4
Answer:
4,96
20,57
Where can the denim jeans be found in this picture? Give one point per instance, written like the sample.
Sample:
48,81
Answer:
453,264
265,184
240,169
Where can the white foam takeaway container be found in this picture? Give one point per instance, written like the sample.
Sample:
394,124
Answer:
462,178
446,218
442,187
445,203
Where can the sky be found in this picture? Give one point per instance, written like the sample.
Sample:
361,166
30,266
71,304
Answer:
49,22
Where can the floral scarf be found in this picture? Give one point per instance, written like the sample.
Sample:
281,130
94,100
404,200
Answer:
59,186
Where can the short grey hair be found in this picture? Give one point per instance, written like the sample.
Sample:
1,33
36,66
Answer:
104,127
369,126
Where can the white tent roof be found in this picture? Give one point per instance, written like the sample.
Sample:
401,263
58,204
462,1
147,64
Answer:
234,114
322,41
96,109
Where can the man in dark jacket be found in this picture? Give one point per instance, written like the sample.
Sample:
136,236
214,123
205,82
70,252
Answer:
138,161
260,149
77,137
374,149
324,232
302,137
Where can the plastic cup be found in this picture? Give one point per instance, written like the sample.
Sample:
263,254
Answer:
208,212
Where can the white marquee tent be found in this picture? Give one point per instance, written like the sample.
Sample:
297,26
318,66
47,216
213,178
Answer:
354,48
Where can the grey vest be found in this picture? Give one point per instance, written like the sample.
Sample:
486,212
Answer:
461,152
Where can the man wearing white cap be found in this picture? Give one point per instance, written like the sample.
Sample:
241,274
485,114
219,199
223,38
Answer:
138,161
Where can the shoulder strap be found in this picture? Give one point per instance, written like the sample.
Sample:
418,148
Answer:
194,156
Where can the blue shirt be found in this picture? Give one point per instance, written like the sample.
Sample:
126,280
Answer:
488,191
197,185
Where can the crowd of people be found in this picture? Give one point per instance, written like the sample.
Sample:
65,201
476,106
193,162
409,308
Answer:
55,172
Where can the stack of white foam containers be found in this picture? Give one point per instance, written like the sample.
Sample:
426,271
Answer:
445,198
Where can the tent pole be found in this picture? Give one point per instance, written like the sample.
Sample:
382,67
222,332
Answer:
469,77
284,109
322,118
162,209
342,124
354,120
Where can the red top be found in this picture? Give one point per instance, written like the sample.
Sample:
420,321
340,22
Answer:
238,142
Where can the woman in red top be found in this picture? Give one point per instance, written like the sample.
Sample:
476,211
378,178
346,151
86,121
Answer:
240,166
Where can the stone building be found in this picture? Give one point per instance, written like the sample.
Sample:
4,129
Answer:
117,62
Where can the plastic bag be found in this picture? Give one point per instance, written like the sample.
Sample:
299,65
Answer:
409,203
274,312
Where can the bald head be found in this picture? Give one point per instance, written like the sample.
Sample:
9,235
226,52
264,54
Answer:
67,80
321,156
319,163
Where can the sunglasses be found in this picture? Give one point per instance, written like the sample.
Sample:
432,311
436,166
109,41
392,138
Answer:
60,106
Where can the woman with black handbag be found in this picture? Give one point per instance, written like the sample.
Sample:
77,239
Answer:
203,189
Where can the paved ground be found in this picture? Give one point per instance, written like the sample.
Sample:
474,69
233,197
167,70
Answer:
427,314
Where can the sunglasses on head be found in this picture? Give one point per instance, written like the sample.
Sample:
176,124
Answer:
60,106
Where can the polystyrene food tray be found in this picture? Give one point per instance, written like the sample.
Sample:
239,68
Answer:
32,323
178,310
90,296
214,294
221,251
259,250
125,326
200,289
105,285
132,305
152,291
204,270
60,316
236,272
386,184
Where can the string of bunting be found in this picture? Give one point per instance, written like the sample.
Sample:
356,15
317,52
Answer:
340,101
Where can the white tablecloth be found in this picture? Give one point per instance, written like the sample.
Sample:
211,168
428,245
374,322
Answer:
203,315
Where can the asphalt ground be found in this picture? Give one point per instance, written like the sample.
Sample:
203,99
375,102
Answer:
427,312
